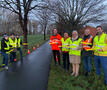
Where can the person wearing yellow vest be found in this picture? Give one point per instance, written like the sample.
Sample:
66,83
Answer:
75,52
65,42
19,43
100,52
13,43
4,49
87,55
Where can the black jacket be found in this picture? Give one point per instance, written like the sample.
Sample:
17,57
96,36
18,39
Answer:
4,45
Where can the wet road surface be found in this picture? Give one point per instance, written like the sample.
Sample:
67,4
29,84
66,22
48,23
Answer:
32,74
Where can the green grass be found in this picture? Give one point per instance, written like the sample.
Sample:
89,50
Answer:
61,80
32,40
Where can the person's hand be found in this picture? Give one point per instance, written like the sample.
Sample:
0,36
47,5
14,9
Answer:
56,42
100,50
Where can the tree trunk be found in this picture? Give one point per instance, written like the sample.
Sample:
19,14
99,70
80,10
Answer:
44,35
23,24
45,32
25,33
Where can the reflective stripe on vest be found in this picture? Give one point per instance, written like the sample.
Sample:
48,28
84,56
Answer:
65,43
73,45
8,47
100,43
13,43
54,41
85,46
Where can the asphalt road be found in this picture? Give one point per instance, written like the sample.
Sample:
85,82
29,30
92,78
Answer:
31,74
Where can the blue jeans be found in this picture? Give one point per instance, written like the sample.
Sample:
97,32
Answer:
5,58
101,60
21,54
87,63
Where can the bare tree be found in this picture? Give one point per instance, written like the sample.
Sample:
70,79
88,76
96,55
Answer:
22,8
73,14
44,17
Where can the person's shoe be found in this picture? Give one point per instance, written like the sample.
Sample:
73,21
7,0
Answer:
89,73
105,84
66,70
72,74
86,73
6,67
76,74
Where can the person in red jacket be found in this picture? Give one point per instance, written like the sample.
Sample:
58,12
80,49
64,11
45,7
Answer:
55,42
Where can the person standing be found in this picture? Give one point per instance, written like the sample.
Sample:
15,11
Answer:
55,42
100,52
87,55
19,43
65,43
4,49
75,52
13,43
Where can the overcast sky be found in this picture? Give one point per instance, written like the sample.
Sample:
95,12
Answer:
105,17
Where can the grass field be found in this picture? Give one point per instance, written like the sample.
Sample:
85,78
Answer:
32,40
61,80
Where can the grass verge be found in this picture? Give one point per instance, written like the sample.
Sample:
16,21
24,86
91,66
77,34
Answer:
61,80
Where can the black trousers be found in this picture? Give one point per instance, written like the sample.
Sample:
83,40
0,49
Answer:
12,56
66,61
56,52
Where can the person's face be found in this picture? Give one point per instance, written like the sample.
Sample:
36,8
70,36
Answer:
55,31
99,30
65,35
87,32
74,34
17,36
12,36
6,37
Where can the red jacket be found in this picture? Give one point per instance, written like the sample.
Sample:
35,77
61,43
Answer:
55,42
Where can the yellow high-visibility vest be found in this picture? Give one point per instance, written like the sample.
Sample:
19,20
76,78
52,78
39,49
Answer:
73,45
99,44
13,43
65,44
0,45
18,42
8,47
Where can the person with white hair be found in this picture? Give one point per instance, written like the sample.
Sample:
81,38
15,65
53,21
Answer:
75,52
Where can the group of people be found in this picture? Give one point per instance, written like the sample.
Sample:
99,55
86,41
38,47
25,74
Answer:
8,48
74,49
